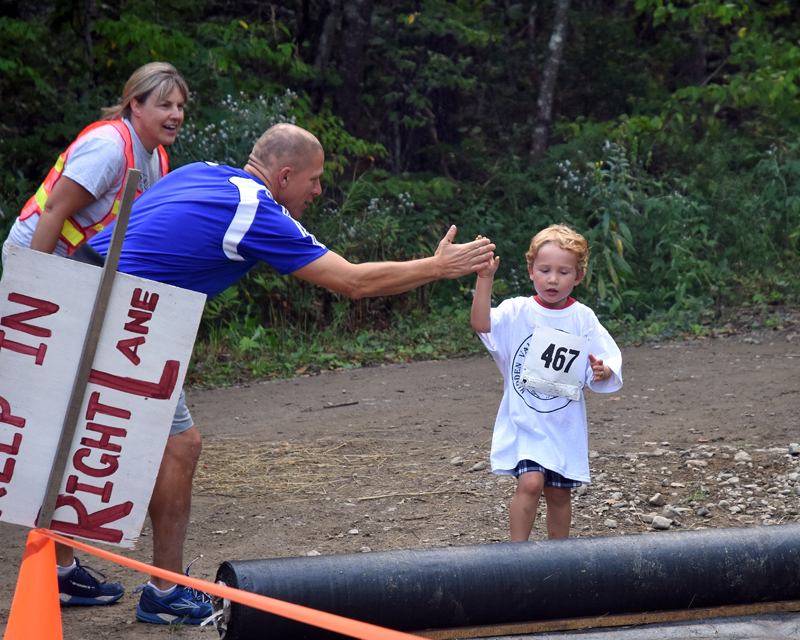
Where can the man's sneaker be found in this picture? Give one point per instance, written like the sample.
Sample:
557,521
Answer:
79,587
182,606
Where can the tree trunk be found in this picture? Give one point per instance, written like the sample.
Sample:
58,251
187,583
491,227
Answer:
352,43
89,17
508,60
302,21
327,35
544,104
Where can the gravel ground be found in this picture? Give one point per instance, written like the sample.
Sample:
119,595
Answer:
366,460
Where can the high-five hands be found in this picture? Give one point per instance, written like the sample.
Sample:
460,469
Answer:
458,260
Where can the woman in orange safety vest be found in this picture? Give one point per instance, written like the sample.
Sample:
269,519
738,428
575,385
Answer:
81,193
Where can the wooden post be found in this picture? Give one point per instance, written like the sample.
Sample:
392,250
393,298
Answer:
89,347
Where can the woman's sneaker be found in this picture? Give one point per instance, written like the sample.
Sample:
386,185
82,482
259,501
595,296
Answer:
182,606
79,587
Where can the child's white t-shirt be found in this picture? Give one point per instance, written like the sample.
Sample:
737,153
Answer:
549,430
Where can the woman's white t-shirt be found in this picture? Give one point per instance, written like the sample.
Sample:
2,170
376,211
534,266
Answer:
97,163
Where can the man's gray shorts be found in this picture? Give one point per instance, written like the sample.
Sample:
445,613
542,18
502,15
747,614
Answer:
182,420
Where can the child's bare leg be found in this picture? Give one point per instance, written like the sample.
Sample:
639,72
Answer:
522,513
559,511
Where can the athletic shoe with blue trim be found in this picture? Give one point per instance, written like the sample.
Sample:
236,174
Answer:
79,587
183,606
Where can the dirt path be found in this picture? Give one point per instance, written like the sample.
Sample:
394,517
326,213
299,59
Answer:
360,460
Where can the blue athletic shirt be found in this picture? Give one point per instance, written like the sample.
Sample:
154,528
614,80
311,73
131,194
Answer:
203,226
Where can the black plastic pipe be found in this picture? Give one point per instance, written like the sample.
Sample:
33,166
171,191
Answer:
418,589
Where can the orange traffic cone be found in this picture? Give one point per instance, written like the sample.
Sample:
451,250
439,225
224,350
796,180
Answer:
36,609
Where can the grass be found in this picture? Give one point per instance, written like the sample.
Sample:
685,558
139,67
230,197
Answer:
227,355
224,358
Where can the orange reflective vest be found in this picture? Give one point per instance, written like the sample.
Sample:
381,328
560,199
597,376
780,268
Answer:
73,234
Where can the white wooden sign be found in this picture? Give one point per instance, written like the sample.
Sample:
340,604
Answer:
137,374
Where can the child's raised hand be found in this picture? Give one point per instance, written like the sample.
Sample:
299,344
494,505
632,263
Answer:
491,269
601,371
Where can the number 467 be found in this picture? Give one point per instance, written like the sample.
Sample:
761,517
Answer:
557,358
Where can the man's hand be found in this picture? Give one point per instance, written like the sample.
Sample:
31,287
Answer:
601,371
456,260
388,278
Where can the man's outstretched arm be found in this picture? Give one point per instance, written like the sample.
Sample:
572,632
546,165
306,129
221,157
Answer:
388,278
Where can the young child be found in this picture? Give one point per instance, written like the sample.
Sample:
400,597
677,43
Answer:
547,347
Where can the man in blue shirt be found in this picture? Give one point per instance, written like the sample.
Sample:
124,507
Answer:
207,225
202,228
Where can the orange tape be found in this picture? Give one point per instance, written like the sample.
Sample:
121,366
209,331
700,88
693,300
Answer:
329,621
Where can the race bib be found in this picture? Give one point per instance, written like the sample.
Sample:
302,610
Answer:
555,363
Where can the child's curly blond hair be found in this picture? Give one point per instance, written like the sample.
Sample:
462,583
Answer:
564,238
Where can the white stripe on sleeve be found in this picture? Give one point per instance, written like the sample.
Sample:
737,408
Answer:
303,231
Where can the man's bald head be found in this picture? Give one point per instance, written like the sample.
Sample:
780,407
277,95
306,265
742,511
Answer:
290,162
285,145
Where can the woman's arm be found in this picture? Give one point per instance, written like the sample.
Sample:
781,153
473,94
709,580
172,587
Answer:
66,198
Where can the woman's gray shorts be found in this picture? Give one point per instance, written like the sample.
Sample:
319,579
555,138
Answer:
182,419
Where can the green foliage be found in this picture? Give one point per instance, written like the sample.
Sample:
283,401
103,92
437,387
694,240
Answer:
226,133
750,77
15,66
674,153
424,54
131,41
697,495
695,12
341,148
239,351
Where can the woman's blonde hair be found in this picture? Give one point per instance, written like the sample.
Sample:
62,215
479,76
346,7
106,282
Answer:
154,76
564,238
